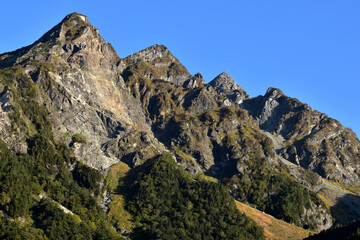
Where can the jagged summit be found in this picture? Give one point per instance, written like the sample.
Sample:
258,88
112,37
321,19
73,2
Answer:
157,62
72,37
152,53
199,75
320,142
224,82
273,93
71,26
225,85
76,16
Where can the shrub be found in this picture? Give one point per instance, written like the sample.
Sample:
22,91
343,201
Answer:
78,138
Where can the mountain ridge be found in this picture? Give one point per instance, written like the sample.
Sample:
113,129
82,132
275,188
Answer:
109,110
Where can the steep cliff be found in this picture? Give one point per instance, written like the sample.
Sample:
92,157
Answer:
226,86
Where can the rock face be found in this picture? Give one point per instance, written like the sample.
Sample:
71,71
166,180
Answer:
14,139
132,109
80,74
226,86
307,137
157,62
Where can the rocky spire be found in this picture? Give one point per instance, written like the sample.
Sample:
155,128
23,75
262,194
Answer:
72,26
73,39
199,75
157,62
225,85
224,82
153,53
273,93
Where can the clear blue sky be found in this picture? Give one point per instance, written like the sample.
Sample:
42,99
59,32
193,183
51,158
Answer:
310,49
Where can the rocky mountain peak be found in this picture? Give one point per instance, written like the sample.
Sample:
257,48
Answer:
76,18
199,75
225,85
273,93
70,28
157,62
224,82
74,40
153,53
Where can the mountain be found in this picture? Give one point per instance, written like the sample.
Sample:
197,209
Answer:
307,137
226,86
91,133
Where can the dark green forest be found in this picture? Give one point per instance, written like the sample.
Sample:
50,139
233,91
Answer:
348,232
274,192
32,187
168,203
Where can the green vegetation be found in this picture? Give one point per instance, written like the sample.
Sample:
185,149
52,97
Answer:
78,138
204,177
87,177
25,106
274,229
167,203
15,230
114,184
43,172
58,225
348,232
74,32
34,185
275,193
241,149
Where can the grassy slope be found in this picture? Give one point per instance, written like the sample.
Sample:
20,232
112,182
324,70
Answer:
117,214
273,228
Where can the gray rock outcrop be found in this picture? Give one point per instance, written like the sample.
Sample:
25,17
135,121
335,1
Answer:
226,86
